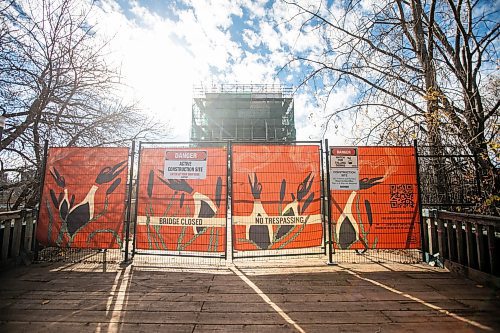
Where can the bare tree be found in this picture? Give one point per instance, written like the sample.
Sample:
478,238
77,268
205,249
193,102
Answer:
56,85
422,69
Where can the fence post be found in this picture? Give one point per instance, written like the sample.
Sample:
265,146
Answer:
419,198
329,217
136,197
229,189
42,181
129,202
322,195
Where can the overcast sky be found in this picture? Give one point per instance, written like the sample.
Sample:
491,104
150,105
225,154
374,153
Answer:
164,48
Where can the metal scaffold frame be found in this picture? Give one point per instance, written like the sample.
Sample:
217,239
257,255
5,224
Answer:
243,112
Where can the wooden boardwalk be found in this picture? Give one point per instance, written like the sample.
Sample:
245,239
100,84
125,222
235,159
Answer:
298,296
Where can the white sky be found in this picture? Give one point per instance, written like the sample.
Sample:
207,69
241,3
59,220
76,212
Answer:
167,47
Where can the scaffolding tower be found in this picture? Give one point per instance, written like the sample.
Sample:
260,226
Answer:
243,112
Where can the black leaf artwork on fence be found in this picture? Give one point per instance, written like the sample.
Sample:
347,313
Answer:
368,208
218,191
262,235
204,207
347,234
75,216
259,234
151,179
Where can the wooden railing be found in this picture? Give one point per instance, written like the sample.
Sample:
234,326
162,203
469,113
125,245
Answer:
471,241
17,230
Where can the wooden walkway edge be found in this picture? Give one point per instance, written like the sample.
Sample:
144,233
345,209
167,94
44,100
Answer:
314,297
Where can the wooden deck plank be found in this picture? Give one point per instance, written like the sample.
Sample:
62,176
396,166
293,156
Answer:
435,327
103,305
51,327
332,306
140,317
41,299
134,296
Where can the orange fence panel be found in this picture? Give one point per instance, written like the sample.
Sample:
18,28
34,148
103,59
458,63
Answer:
83,200
276,197
182,206
384,212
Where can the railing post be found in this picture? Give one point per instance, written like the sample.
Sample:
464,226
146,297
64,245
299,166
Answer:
427,245
469,242
480,247
491,249
426,242
451,243
433,232
28,232
6,239
16,235
460,242
440,234
480,256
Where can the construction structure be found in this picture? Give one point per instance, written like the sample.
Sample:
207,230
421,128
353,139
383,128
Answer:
243,112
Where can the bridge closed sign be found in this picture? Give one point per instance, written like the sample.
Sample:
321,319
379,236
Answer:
344,170
185,164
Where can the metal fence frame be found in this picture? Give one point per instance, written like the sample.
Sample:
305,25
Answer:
476,183
334,255
176,144
75,254
372,255
299,251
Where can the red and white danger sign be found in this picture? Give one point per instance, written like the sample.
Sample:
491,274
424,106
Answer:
344,172
185,164
344,157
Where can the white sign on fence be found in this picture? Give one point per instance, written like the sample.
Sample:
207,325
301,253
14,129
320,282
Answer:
185,164
344,171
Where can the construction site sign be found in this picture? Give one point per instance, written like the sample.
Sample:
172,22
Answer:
344,171
182,214
185,164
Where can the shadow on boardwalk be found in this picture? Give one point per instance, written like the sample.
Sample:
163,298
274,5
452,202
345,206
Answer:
301,295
